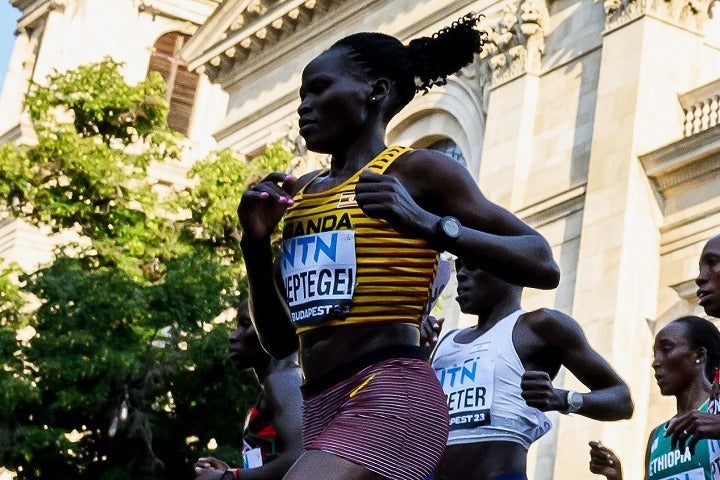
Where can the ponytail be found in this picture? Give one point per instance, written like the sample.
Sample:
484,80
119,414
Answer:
445,52
423,63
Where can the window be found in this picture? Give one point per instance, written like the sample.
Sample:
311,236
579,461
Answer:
182,83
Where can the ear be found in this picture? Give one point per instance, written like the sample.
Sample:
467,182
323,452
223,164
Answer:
379,90
701,355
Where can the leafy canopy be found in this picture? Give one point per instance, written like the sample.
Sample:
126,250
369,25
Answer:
126,374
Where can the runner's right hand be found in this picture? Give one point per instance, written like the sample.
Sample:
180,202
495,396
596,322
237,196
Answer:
430,328
603,461
264,204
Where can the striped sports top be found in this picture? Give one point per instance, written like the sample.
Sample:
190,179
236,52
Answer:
340,267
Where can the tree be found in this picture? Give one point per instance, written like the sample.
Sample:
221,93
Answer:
126,375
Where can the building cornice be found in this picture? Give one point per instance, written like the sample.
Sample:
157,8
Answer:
242,29
34,11
683,161
195,11
212,31
554,208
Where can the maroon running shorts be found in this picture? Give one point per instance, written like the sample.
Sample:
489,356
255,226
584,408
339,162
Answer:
390,417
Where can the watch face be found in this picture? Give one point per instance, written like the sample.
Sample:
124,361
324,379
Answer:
451,227
576,400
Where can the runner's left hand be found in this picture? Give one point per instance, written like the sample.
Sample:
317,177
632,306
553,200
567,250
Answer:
538,391
208,465
384,197
688,428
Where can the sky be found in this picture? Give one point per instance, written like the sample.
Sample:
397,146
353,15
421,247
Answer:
8,19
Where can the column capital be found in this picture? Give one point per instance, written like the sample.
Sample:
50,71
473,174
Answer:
515,43
691,14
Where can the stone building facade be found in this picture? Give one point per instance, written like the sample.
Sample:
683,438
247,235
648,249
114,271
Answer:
142,34
594,121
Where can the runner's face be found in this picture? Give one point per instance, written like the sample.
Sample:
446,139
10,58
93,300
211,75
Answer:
708,279
674,359
334,102
245,349
477,290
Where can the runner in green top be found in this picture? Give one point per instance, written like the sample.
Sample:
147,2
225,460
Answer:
668,462
686,354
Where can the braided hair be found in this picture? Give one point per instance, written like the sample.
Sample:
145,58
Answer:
423,63
703,333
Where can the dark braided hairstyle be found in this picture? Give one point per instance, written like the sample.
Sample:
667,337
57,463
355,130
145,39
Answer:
423,63
703,333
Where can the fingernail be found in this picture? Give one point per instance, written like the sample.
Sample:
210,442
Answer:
282,199
263,194
291,201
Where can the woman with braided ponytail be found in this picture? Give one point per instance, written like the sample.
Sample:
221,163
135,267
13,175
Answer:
359,253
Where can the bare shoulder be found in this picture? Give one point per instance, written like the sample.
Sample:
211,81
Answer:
549,323
283,378
430,174
283,385
424,161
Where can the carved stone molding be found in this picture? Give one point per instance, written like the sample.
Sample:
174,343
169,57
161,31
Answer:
555,208
691,14
35,13
685,166
515,45
58,5
254,29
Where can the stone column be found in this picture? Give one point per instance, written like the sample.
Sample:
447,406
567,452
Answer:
509,67
618,268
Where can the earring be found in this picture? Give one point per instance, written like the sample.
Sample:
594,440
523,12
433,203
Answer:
373,98
697,360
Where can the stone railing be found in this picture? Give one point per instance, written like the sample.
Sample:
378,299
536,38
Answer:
701,108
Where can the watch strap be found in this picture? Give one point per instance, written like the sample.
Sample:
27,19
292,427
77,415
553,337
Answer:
572,405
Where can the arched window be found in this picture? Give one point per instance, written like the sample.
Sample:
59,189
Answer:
182,83
449,148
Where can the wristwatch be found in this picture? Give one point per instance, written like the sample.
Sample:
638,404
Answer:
448,228
574,402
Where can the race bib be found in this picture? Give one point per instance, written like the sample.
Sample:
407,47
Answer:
694,474
469,389
252,458
319,275
714,445
714,452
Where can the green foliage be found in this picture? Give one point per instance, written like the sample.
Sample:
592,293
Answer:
221,180
127,373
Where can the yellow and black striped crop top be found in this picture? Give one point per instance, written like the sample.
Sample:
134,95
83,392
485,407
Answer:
340,267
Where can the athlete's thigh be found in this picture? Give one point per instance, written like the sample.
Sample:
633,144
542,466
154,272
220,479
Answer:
315,464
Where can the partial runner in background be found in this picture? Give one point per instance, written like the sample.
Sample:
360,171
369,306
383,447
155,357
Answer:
272,430
686,355
497,378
